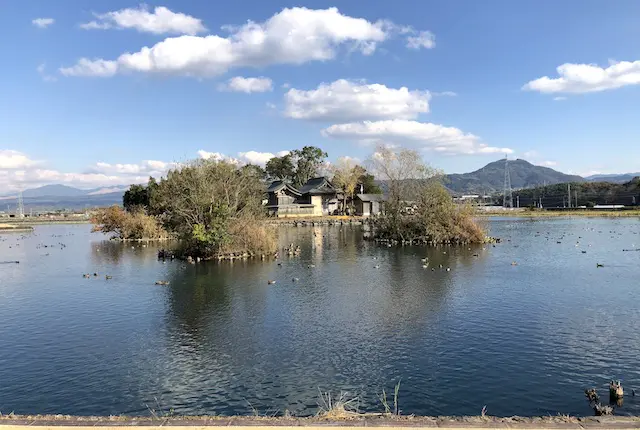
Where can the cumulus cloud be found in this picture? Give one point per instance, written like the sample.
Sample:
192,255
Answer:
97,67
146,168
423,39
10,159
549,163
259,158
248,85
587,78
43,22
249,157
19,171
160,21
425,136
206,155
345,100
293,36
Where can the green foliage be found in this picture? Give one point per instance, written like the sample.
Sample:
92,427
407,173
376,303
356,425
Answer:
281,168
137,196
211,207
204,202
368,183
308,161
298,166
589,194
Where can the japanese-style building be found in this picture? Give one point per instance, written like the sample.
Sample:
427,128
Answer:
317,197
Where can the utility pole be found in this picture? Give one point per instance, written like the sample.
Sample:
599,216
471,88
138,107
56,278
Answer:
540,203
575,193
569,194
507,200
518,200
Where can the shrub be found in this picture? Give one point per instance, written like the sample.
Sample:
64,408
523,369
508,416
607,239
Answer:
127,225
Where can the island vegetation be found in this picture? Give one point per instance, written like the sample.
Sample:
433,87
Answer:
419,209
215,208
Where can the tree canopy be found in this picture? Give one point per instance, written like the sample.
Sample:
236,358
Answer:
298,166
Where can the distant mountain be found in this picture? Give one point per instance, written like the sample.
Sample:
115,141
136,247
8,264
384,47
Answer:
53,190
109,190
490,178
59,190
52,197
615,178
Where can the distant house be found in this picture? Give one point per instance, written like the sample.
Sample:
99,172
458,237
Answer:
317,197
369,204
324,197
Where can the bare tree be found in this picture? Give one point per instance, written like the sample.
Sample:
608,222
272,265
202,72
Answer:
345,176
412,183
404,172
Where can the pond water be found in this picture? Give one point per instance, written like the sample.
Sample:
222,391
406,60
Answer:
522,339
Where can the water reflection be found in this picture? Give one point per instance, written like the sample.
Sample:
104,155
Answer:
359,317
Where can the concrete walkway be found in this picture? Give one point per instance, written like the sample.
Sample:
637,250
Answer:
257,423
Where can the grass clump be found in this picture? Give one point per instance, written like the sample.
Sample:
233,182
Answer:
123,225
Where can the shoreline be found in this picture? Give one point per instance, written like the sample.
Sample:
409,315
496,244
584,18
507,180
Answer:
36,221
21,422
13,228
559,214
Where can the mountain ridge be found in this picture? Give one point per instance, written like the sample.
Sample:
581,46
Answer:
490,178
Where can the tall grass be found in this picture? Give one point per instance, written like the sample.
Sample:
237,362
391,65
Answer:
127,225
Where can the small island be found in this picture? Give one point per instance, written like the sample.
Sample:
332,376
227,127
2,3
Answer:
218,209
15,228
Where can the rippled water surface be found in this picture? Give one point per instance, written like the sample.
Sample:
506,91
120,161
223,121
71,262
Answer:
523,339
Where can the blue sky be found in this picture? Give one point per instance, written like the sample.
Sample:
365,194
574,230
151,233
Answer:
460,81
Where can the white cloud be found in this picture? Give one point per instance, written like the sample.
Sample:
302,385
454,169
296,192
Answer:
549,163
249,157
205,155
444,94
426,136
259,158
43,22
531,154
293,36
160,21
587,78
424,39
86,67
558,99
345,100
43,73
19,171
146,168
248,85
10,159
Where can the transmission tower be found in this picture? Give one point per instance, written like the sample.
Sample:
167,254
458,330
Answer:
507,201
20,212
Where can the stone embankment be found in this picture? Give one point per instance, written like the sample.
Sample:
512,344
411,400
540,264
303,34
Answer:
358,422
